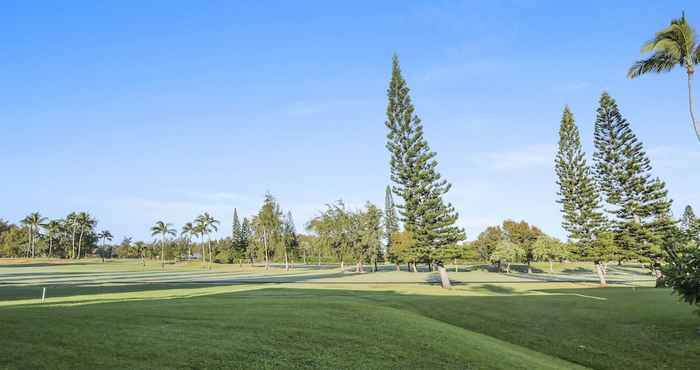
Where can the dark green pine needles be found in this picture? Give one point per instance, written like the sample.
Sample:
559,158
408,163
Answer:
577,191
639,204
414,173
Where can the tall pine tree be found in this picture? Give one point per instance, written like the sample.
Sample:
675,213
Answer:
579,196
236,240
639,204
425,215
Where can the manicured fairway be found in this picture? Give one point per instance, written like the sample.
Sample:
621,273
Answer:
528,325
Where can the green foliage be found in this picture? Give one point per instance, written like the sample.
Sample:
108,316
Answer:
403,247
577,191
267,228
391,219
486,243
414,173
507,252
682,273
639,204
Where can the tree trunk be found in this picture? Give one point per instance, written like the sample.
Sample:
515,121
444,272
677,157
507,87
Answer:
162,254
72,246
529,268
455,263
507,267
305,257
601,275
50,245
415,266
444,279
551,267
691,104
80,241
398,267
211,252
286,261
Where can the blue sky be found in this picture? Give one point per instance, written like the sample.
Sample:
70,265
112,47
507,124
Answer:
140,111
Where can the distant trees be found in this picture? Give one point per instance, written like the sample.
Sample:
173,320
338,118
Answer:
549,249
206,224
163,230
267,228
105,235
430,220
34,221
486,242
673,46
507,252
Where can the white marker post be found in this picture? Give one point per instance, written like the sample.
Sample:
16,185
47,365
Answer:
43,295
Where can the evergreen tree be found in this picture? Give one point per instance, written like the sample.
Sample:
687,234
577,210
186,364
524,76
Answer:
236,242
688,220
290,241
578,194
246,234
417,182
391,220
639,204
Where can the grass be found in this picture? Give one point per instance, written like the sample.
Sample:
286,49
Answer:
351,323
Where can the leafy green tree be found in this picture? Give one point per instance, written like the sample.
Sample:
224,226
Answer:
507,252
639,204
417,182
524,236
267,226
403,249
371,233
163,230
486,243
673,46
290,241
682,273
549,249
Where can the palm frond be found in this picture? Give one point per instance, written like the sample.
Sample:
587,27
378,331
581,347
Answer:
659,62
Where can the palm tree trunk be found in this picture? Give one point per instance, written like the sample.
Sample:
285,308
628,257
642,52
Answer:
691,104
80,241
162,253
286,260
50,245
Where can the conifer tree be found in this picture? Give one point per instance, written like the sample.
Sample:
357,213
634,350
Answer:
639,204
417,182
578,194
690,225
391,220
236,234
246,234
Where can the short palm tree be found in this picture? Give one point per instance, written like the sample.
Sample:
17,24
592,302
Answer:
104,235
86,223
163,230
53,228
188,231
207,224
33,222
673,46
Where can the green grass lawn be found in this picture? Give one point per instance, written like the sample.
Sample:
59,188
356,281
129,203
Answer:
519,325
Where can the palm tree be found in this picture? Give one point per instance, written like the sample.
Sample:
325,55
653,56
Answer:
673,46
33,222
104,235
188,230
53,227
72,223
86,223
207,225
163,229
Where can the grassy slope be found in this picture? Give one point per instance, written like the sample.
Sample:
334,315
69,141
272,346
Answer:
340,325
267,328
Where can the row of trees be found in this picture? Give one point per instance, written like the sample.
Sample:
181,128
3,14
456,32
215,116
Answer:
73,237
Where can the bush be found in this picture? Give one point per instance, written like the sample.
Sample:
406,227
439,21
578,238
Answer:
683,275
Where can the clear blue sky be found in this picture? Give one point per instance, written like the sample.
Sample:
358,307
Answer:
139,111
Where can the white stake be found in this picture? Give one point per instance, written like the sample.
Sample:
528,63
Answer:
43,295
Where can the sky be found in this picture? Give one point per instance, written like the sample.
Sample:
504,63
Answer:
142,111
